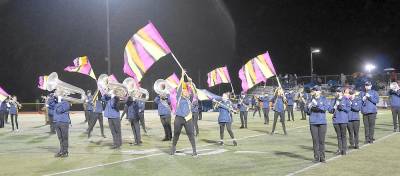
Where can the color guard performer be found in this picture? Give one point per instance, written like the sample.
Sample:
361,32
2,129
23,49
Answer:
394,96
316,109
280,102
243,106
14,107
369,110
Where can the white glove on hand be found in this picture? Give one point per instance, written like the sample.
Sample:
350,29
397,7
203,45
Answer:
59,98
314,102
364,98
368,95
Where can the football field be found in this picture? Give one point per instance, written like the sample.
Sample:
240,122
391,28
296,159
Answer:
31,150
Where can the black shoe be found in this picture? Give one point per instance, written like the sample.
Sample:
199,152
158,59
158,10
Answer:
194,154
338,152
343,153
316,161
356,147
322,160
173,150
58,154
241,127
394,130
165,139
114,147
103,136
234,143
221,142
64,155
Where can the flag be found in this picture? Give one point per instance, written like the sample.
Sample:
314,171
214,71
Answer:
81,65
3,94
218,76
143,50
204,94
173,81
42,82
256,70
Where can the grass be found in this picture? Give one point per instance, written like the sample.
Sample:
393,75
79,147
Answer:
30,151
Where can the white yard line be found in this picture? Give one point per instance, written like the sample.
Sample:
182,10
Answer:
339,156
147,156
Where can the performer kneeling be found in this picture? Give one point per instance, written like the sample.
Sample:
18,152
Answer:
132,113
316,108
112,113
354,119
62,122
224,106
279,100
183,117
340,109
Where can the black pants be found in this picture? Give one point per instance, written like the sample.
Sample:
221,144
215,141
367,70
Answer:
243,118
6,117
141,119
290,113
303,111
2,119
257,109
340,129
115,127
353,127
195,117
178,124
200,115
166,123
136,130
318,133
87,114
369,127
282,117
14,118
228,128
396,117
93,117
52,124
62,134
266,115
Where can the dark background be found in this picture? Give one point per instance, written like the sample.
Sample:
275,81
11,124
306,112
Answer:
38,37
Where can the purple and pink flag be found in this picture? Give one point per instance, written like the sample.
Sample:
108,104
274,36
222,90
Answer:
218,76
42,82
3,94
144,49
81,65
257,70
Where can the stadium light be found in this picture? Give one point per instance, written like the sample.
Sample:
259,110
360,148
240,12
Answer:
313,50
369,67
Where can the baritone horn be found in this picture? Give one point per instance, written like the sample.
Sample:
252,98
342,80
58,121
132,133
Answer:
161,87
137,93
105,84
64,89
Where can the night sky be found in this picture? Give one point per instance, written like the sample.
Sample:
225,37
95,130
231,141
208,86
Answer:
41,36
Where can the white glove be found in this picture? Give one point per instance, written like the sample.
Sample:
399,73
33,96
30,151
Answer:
47,105
314,102
368,95
364,98
59,98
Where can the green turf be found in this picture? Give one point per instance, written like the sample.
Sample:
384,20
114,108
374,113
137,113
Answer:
30,151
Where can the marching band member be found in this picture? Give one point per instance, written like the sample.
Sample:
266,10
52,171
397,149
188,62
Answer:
256,104
62,122
132,113
224,106
142,106
279,100
164,111
183,117
97,115
195,114
50,104
111,112
290,102
316,108
244,108
14,106
3,111
394,96
89,108
354,119
7,110
265,100
340,108
301,100
369,110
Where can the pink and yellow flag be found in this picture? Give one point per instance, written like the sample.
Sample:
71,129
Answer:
81,65
256,70
144,49
3,94
173,81
218,76
42,82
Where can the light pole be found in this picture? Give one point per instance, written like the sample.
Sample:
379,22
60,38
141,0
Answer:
108,58
313,50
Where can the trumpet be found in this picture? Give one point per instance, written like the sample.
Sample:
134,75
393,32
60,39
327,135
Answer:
137,93
105,84
161,87
230,108
64,89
